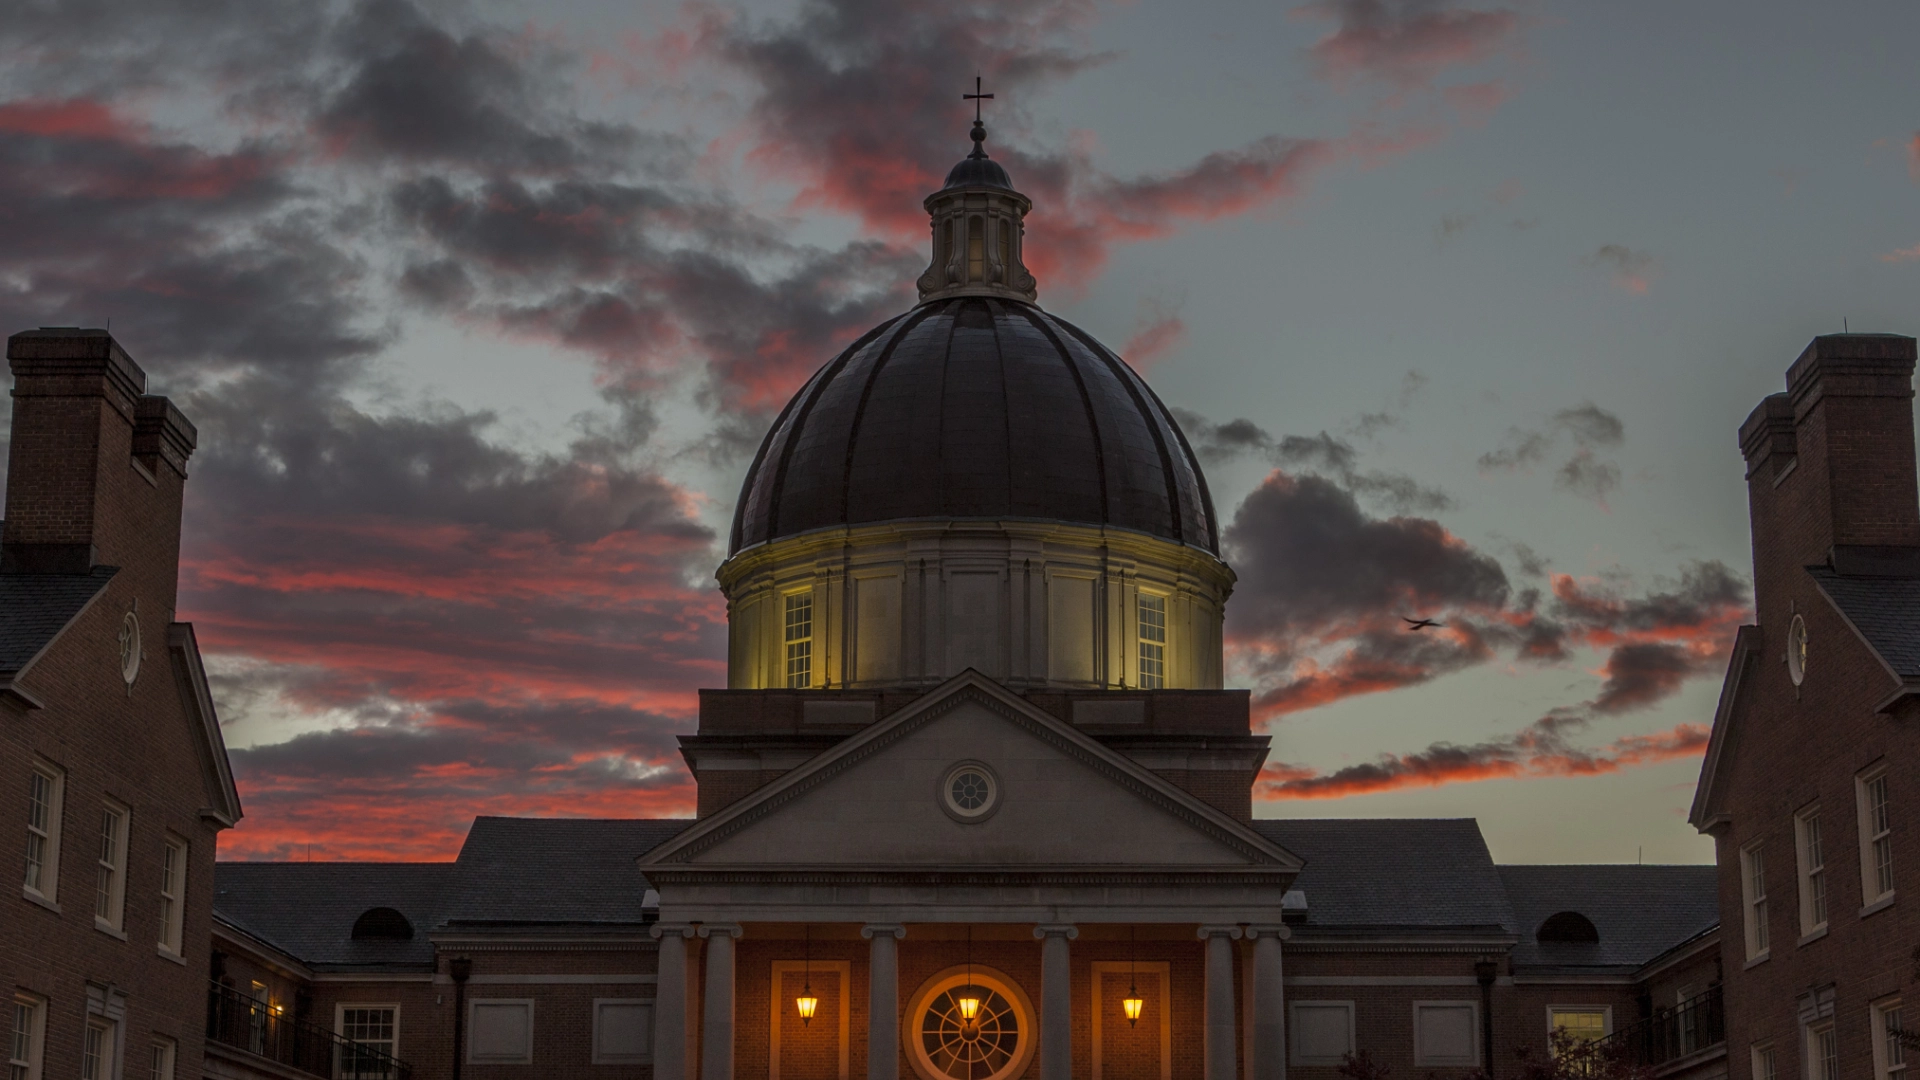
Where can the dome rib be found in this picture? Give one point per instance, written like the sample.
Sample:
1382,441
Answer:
975,408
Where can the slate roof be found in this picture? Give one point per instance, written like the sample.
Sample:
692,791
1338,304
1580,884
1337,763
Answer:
1381,874
307,910
554,871
1640,911
975,408
1885,610
35,608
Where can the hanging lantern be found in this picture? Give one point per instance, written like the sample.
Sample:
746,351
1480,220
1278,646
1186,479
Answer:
1132,1003
806,1004
969,1006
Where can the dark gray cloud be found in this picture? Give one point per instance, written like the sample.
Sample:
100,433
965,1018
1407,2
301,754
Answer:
1584,472
1320,453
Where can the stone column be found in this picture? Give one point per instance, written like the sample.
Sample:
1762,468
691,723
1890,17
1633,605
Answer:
1056,1001
670,1002
883,1000
1269,1004
716,1038
1221,1032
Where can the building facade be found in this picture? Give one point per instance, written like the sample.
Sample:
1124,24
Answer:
110,753
1808,788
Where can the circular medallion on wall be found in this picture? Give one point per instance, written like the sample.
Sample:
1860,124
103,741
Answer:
1797,650
969,792
130,648
944,1043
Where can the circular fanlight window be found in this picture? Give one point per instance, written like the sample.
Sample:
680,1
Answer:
969,792
1797,650
969,1023
130,648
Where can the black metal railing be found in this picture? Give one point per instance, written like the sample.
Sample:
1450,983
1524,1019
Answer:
250,1024
1668,1035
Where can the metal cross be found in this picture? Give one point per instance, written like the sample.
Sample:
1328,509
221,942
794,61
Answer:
976,97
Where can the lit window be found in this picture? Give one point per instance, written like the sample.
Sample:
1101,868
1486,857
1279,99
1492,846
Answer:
110,887
1753,881
1813,872
370,1027
24,1047
1876,837
1763,1063
1153,642
1823,1052
173,891
1889,1057
96,1051
44,787
163,1051
1580,1024
800,641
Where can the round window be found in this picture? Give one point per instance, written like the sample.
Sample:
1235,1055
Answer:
969,792
969,1023
1797,650
130,648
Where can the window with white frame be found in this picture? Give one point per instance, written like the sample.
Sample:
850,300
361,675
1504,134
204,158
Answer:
1443,1033
1876,836
1753,890
96,1050
1889,1056
372,1027
1582,1023
1153,641
45,788
162,1064
622,1031
1762,1063
28,1039
799,639
110,881
500,1031
1813,871
173,893
1823,1052
1322,1031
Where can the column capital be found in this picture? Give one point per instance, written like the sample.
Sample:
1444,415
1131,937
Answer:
872,930
1065,930
1256,931
1230,932
732,930
662,929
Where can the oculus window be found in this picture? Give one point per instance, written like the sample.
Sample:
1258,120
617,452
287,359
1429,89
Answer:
969,792
944,1042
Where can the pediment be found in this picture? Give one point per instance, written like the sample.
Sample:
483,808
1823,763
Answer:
1062,801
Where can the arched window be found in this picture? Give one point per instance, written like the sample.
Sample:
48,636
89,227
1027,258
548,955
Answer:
382,924
976,249
1567,927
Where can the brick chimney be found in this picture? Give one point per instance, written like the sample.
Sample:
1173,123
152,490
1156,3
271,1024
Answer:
1830,463
97,465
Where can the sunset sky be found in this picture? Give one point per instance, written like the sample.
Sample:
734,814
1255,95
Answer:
481,309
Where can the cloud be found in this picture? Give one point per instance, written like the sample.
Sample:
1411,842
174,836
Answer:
1583,473
1408,43
1913,156
1321,453
1633,271
1158,330
1900,255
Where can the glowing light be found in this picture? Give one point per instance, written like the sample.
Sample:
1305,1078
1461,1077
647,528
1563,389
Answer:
806,1003
1132,1003
969,1007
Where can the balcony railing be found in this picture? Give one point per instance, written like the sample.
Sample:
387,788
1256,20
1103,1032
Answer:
1696,1024
237,1020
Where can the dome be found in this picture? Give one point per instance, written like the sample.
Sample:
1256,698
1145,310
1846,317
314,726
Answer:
976,407
974,172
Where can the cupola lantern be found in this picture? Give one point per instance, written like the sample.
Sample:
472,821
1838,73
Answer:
978,228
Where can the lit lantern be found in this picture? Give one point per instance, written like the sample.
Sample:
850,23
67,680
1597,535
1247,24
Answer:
969,1007
1132,1003
806,1003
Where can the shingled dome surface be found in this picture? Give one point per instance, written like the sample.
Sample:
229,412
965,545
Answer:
976,407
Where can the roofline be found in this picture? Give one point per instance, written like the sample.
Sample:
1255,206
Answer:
1746,643
1853,626
1685,950
224,929
186,648
9,680
970,682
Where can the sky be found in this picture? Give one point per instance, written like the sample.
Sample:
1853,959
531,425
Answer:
482,307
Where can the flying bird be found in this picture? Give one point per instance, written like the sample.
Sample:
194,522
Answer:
1419,624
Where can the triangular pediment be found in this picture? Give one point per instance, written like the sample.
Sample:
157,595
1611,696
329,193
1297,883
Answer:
1061,800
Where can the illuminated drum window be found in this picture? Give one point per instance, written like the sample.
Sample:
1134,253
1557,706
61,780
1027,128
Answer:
1153,642
969,792
943,1043
799,641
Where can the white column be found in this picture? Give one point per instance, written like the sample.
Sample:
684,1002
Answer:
883,1001
670,1002
1056,1001
716,1037
1269,1004
1221,1032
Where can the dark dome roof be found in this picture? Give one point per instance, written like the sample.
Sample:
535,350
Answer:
975,407
980,171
